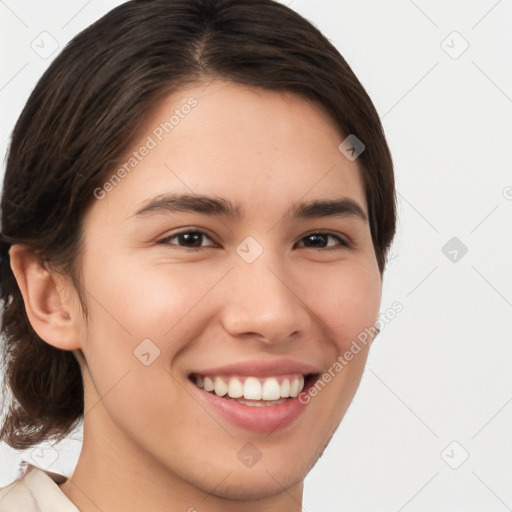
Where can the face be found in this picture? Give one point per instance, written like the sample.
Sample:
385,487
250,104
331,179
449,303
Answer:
210,312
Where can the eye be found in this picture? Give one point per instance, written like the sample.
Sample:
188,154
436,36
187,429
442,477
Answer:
188,239
320,240
193,239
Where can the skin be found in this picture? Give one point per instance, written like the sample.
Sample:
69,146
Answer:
147,444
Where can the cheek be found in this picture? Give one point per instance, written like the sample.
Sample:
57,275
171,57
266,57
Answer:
148,300
142,314
346,302
132,335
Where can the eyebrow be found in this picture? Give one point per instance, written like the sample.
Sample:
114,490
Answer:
217,206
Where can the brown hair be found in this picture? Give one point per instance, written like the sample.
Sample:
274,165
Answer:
84,113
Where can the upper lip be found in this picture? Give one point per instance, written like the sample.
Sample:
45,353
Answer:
256,368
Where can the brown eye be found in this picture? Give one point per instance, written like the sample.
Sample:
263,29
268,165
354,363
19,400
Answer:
187,239
321,241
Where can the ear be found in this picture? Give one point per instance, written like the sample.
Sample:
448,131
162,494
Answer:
47,299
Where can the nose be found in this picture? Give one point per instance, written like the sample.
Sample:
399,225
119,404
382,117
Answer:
263,301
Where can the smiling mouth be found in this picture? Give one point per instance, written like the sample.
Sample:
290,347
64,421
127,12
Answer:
254,391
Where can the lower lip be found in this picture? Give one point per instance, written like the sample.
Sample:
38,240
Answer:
266,419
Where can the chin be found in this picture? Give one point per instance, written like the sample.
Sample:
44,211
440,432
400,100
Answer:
271,475
244,485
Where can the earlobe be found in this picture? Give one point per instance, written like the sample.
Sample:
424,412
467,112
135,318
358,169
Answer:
44,296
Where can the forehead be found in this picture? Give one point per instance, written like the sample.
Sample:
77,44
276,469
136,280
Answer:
250,144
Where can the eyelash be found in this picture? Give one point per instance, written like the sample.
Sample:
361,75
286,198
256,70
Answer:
343,244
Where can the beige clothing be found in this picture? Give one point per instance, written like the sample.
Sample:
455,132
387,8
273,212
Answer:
36,491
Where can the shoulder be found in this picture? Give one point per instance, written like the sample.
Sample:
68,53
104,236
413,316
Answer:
37,491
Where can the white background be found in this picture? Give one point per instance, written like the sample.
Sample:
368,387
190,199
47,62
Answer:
439,373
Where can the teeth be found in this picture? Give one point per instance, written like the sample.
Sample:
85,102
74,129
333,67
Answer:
221,387
296,386
285,387
235,388
252,389
260,403
271,390
208,384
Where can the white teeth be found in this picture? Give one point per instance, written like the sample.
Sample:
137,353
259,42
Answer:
301,384
221,387
285,388
260,403
253,389
235,388
296,386
271,390
208,384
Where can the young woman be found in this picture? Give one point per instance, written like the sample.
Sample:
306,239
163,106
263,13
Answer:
196,212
